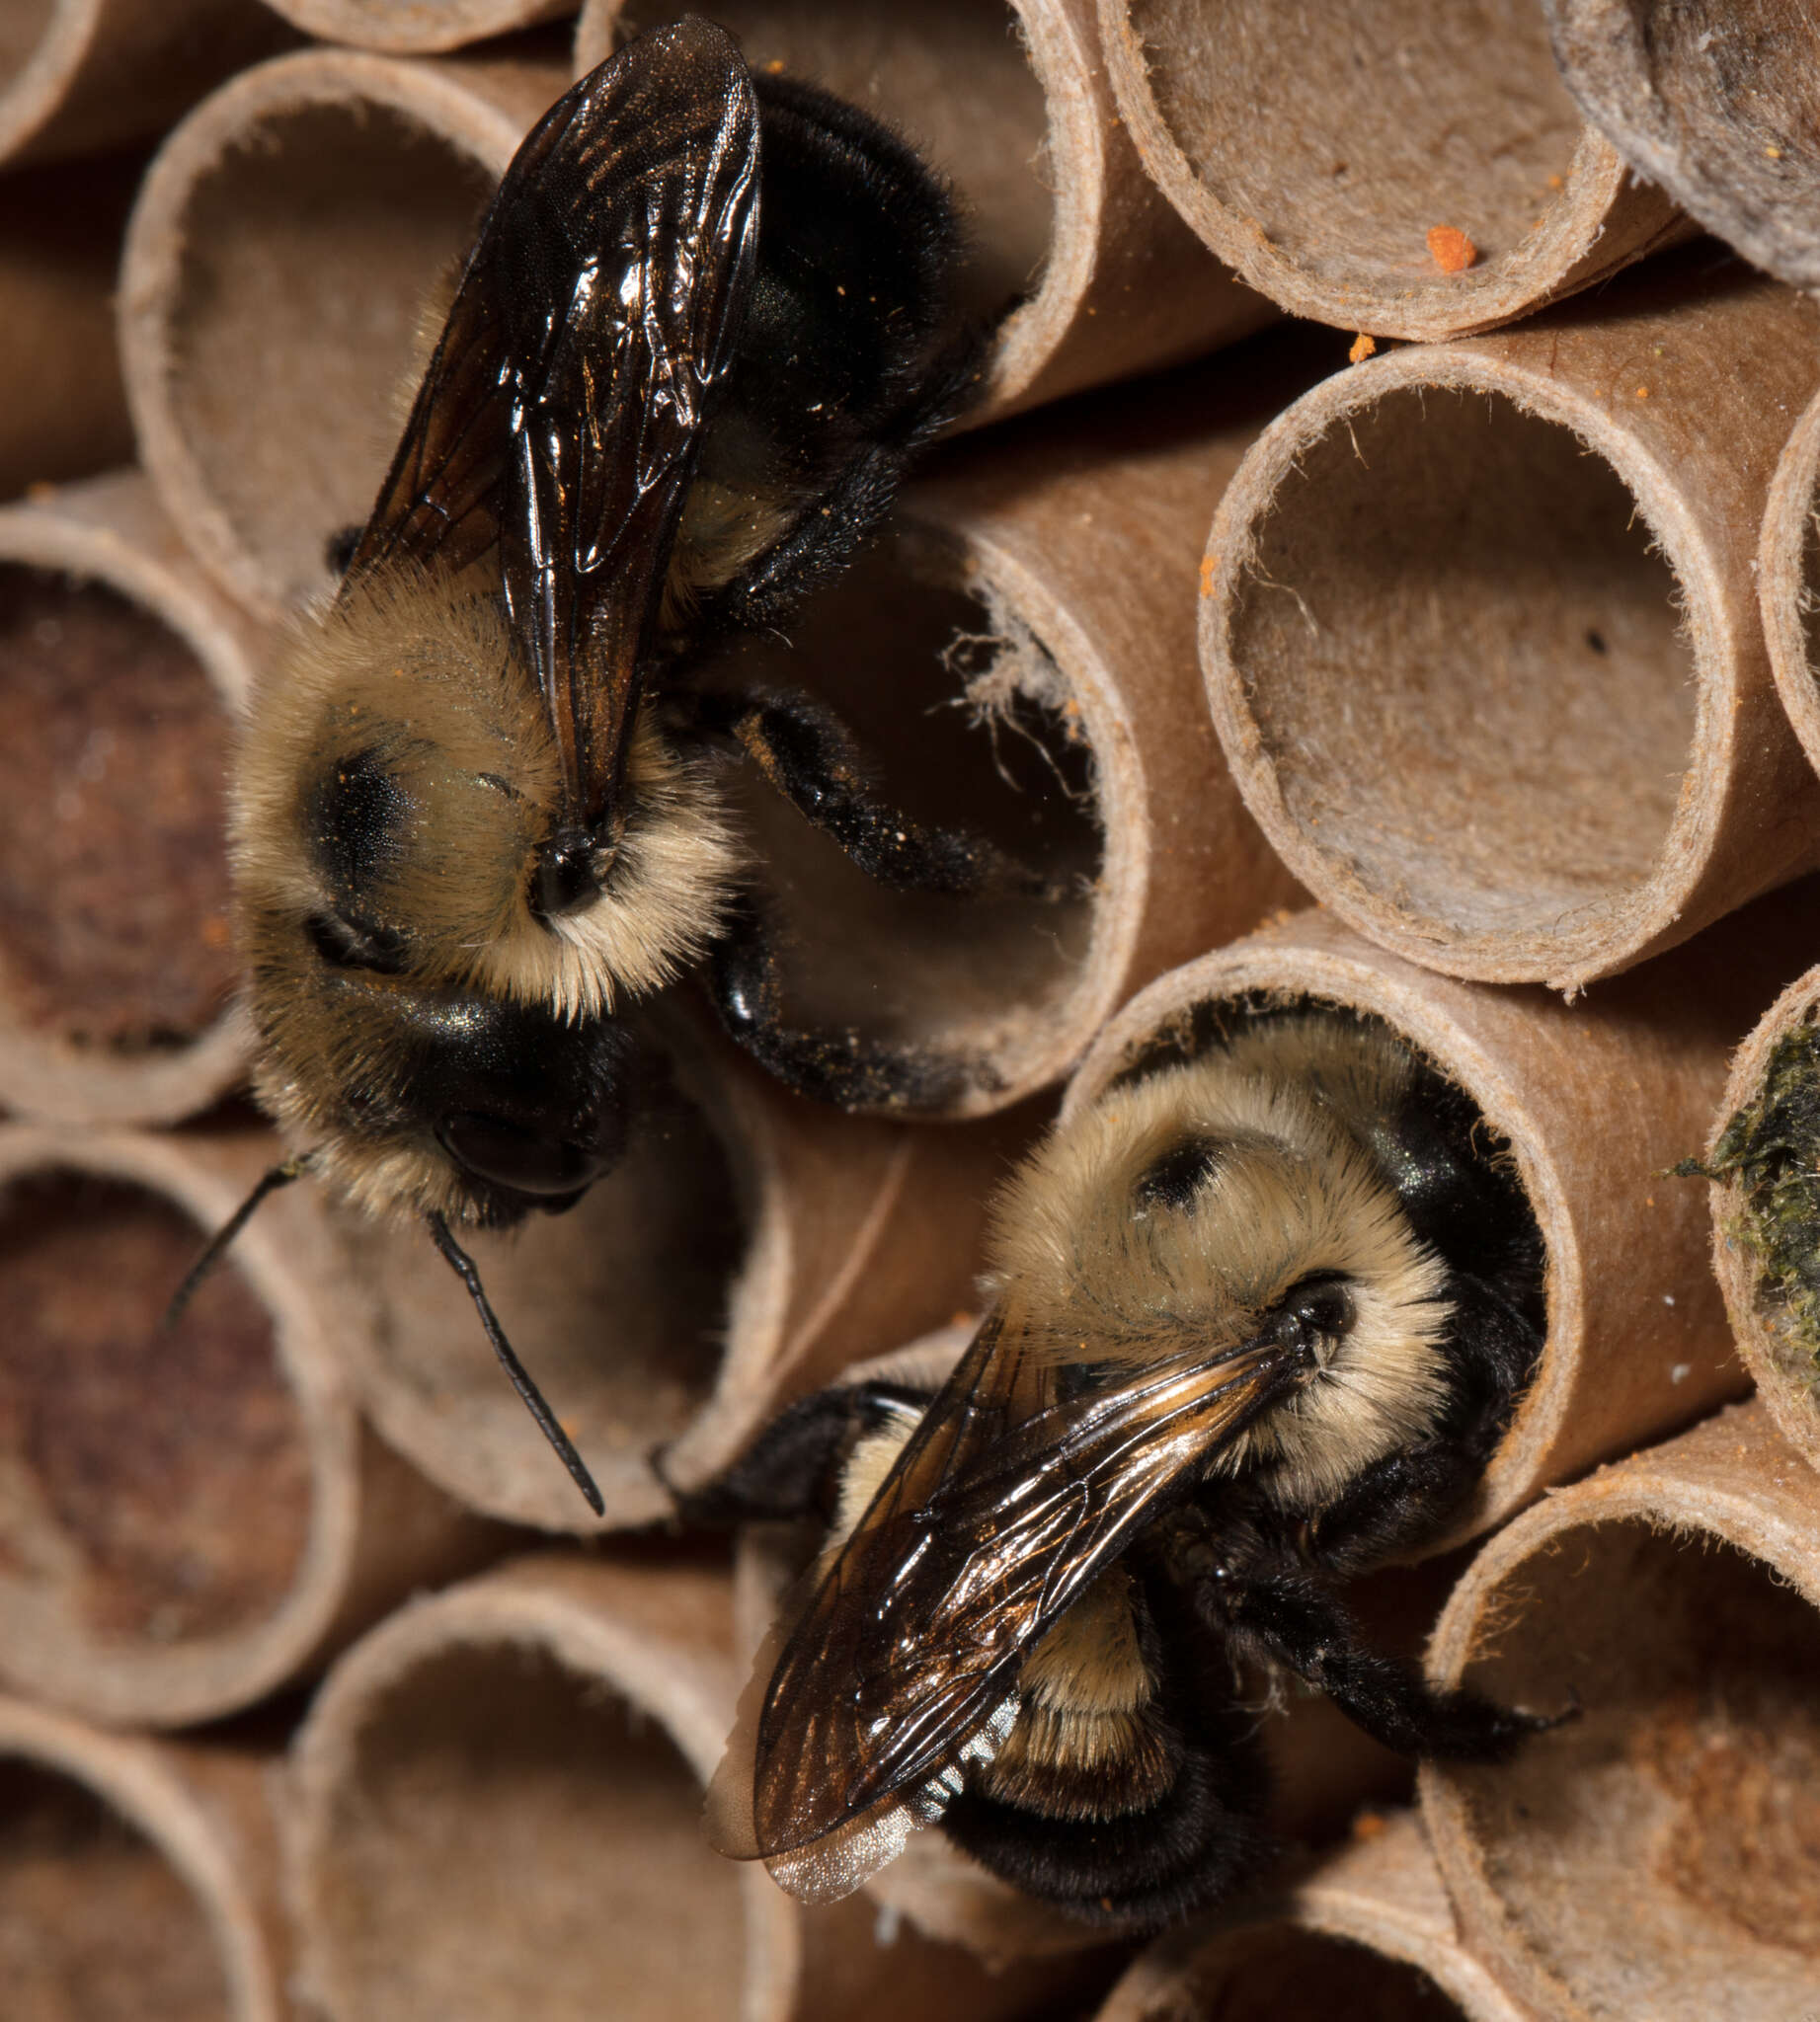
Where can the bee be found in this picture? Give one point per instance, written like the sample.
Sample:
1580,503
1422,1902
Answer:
705,322
1257,1321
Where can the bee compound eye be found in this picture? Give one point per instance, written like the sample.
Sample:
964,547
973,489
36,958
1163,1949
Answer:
511,1155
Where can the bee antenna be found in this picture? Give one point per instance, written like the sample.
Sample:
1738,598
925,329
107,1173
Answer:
462,1265
219,1244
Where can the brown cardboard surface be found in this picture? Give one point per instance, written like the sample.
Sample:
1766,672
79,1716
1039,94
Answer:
1318,148
191,1519
1716,102
1655,1856
77,76
1368,1932
1505,703
125,669
138,1880
499,1804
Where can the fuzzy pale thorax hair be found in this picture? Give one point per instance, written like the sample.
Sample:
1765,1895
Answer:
1101,1272
419,678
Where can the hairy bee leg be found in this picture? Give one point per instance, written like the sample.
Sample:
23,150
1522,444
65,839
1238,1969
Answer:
1394,1503
840,1067
788,1471
809,756
1288,1617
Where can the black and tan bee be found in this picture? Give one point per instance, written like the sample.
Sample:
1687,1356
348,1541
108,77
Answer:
707,320
1257,1321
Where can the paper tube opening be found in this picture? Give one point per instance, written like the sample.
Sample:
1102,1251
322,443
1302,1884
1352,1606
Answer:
160,1485
511,1836
1715,100
1415,170
1788,579
1459,657
95,1919
1659,1854
968,720
1280,1972
616,1307
113,869
275,270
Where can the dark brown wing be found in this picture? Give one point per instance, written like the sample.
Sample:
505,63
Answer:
559,413
1000,1511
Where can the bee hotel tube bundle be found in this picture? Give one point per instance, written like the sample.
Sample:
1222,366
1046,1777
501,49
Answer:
1414,170
1011,103
1367,1932
1480,630
125,669
138,1880
1596,1100
499,1797
193,1519
1655,1856
1714,101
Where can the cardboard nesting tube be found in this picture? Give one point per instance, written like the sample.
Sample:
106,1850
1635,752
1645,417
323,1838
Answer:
417,28
1656,1855
276,260
1788,579
1009,101
192,1520
1504,703
1367,1933
123,670
1414,171
1029,674
498,1802
1716,102
65,411
748,1246
79,76
1784,1366
1596,1100
138,1880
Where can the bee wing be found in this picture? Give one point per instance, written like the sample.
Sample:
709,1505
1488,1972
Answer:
561,409
1000,1511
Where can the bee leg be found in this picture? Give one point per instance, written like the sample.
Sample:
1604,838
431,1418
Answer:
841,1066
1394,1503
1290,1617
810,756
788,1472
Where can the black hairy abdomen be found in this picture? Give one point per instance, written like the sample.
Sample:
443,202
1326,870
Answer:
1201,1840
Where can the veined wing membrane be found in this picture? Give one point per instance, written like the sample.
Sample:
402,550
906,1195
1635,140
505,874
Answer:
1000,1511
562,408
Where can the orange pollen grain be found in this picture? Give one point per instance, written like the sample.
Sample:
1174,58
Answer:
1449,249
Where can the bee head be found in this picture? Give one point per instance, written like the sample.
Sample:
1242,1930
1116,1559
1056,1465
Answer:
438,1038
1212,1205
